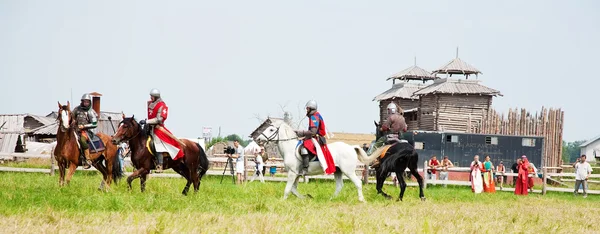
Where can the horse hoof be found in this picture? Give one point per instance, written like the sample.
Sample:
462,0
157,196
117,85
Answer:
309,196
388,197
423,199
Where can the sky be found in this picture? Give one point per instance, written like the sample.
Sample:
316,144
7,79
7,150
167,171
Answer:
223,63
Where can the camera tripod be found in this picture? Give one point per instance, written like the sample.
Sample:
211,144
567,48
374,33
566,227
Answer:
230,164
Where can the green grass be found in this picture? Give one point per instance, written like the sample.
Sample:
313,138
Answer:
35,203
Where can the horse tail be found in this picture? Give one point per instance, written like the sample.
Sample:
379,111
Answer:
364,157
117,170
202,162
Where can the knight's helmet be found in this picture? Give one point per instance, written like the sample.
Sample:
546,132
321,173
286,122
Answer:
155,93
86,96
392,108
312,104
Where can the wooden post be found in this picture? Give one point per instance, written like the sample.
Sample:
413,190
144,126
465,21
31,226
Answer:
51,166
545,179
245,168
424,175
365,174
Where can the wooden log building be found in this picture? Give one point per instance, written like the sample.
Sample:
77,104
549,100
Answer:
454,105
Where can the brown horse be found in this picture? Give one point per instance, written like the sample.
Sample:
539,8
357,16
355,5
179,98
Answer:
66,151
192,166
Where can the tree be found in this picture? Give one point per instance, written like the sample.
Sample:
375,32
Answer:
571,151
236,137
214,141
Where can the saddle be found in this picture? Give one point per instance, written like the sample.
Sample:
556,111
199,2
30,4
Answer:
96,144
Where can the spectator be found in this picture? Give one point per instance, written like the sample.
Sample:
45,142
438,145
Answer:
273,168
476,179
123,151
446,163
433,164
488,176
521,185
264,157
583,170
515,169
258,169
239,162
500,177
532,170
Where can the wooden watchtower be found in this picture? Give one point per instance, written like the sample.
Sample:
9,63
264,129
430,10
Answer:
454,104
401,94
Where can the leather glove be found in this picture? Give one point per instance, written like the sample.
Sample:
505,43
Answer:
142,122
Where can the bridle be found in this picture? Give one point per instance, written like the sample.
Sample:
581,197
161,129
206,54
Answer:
139,130
59,120
276,134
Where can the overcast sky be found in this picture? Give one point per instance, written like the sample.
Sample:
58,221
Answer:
218,63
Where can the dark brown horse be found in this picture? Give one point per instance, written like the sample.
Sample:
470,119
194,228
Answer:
397,158
66,151
192,166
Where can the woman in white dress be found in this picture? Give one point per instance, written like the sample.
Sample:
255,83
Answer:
476,179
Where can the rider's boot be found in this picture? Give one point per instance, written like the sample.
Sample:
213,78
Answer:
159,163
85,160
305,160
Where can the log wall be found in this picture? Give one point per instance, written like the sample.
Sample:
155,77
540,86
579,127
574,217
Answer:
547,123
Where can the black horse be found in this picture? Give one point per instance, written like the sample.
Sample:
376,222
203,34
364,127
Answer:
397,158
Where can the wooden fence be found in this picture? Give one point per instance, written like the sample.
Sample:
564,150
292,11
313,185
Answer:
548,123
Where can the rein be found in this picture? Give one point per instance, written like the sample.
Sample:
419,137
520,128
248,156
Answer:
138,133
276,134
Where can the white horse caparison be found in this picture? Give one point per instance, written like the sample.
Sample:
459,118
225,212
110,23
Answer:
344,156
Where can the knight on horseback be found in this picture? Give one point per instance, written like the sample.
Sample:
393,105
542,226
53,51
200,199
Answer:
393,125
316,130
86,121
164,141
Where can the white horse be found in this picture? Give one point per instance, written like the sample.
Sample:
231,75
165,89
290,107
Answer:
344,156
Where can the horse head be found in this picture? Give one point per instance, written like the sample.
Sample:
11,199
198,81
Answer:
65,117
128,129
276,132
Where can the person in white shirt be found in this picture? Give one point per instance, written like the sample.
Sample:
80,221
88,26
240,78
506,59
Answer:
583,170
258,169
239,161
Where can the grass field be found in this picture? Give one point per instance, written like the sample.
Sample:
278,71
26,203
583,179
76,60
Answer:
34,203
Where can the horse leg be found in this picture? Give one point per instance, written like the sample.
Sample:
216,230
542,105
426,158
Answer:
352,175
399,171
109,170
105,176
183,171
143,178
381,176
415,173
61,172
72,168
194,177
295,189
133,176
339,183
289,185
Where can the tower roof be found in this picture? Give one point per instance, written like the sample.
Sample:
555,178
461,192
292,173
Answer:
457,86
413,73
401,90
457,66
